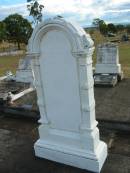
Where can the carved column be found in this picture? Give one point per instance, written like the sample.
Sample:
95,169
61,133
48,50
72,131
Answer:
88,127
39,88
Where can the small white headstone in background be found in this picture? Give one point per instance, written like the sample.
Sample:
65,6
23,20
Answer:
24,72
62,64
108,70
108,59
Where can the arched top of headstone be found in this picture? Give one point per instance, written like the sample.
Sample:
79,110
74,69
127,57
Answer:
79,39
108,45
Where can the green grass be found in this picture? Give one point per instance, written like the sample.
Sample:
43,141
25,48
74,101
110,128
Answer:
9,63
124,52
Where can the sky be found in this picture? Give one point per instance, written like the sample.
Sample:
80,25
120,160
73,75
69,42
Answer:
81,11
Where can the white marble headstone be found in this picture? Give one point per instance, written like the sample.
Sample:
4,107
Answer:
62,63
24,72
108,59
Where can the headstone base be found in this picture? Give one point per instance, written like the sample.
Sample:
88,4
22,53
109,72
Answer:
107,79
68,149
108,69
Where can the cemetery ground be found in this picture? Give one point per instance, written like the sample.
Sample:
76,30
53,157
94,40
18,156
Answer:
112,104
17,153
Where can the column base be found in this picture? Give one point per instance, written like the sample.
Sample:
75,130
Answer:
77,156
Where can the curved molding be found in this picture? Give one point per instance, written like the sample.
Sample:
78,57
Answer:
80,41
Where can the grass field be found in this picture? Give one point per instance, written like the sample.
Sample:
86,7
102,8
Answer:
11,62
124,52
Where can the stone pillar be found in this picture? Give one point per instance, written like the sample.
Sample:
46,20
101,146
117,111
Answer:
39,87
88,128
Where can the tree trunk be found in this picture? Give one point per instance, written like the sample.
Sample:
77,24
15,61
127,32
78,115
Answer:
19,46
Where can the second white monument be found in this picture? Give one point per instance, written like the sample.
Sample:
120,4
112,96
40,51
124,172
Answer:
62,63
108,69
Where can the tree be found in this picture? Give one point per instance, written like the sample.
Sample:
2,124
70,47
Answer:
18,29
128,29
96,22
101,25
120,27
35,10
112,28
103,28
2,31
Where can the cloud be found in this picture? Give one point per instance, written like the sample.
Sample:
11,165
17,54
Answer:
6,10
82,11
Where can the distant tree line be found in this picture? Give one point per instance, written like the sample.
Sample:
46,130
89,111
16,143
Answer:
106,29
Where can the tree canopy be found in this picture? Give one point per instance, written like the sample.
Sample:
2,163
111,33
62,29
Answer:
96,22
112,28
120,27
106,29
101,25
2,31
18,29
128,29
